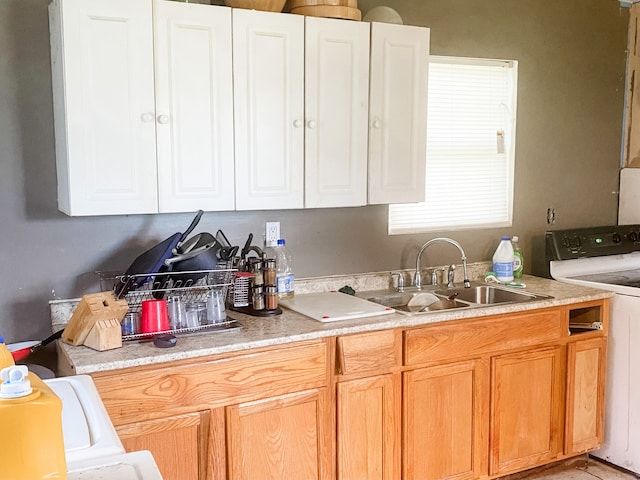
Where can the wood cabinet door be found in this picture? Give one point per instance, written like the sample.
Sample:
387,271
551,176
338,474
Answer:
268,75
281,437
445,421
336,112
527,409
368,428
103,95
586,367
178,444
398,113
194,107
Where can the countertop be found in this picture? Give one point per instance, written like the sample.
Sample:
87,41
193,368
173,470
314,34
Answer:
256,332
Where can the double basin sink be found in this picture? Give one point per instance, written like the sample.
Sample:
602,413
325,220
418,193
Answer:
431,299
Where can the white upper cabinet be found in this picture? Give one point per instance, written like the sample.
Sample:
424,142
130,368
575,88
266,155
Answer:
398,113
132,137
268,69
103,94
336,112
194,107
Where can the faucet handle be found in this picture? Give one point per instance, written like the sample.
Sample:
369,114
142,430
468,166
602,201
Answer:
450,275
400,285
434,275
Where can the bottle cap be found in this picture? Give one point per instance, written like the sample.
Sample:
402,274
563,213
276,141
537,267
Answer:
515,238
14,382
1,339
506,238
281,241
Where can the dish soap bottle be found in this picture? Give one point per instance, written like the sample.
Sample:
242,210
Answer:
503,261
518,262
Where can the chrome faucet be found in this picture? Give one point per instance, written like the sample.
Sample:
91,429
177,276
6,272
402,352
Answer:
417,279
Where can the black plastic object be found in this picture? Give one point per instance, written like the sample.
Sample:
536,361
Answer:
165,340
348,290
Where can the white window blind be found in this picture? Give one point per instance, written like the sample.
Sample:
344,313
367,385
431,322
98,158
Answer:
470,148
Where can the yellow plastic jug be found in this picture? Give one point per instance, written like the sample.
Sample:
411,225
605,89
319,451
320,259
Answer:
6,359
31,441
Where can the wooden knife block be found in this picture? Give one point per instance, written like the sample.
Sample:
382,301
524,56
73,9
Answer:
96,322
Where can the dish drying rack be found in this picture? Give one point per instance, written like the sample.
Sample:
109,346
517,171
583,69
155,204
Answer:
162,285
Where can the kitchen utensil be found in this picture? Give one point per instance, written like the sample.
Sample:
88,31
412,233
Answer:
215,307
332,306
23,349
420,301
152,261
154,316
130,324
245,249
443,304
177,312
227,251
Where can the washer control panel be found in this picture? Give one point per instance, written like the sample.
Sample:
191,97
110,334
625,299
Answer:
592,242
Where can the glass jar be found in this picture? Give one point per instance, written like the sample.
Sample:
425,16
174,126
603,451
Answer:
258,298
270,271
270,297
256,269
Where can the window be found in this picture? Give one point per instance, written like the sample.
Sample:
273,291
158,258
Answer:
471,121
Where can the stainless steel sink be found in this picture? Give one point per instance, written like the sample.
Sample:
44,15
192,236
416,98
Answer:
478,295
401,301
489,294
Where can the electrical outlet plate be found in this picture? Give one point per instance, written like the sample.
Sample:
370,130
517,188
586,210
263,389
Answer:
272,234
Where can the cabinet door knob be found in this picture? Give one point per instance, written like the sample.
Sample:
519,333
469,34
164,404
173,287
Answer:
377,124
311,124
297,123
147,117
163,119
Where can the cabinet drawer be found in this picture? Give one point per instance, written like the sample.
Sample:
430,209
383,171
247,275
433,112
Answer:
475,337
149,393
367,352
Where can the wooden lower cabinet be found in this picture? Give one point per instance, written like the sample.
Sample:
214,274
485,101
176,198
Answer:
368,428
282,437
586,366
527,399
178,444
445,421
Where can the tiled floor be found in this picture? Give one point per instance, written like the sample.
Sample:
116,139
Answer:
580,468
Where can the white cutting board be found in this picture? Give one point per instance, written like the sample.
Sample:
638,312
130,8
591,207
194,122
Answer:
333,306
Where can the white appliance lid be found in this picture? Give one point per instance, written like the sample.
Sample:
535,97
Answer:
86,427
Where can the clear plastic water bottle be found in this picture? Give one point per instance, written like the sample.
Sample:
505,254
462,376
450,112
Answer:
284,270
503,261
518,263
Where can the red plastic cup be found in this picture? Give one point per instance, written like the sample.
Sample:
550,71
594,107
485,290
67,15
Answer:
154,316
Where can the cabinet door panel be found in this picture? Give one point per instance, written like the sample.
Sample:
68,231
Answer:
268,68
526,409
102,69
336,112
369,428
283,437
194,107
586,363
178,444
445,421
398,113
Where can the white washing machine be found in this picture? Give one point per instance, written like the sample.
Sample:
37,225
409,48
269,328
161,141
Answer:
609,258
92,448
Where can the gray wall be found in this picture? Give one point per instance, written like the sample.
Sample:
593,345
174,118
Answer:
571,87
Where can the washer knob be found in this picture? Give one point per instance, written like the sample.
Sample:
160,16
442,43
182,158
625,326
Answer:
633,236
617,238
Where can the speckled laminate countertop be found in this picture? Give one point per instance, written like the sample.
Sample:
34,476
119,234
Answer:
256,332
